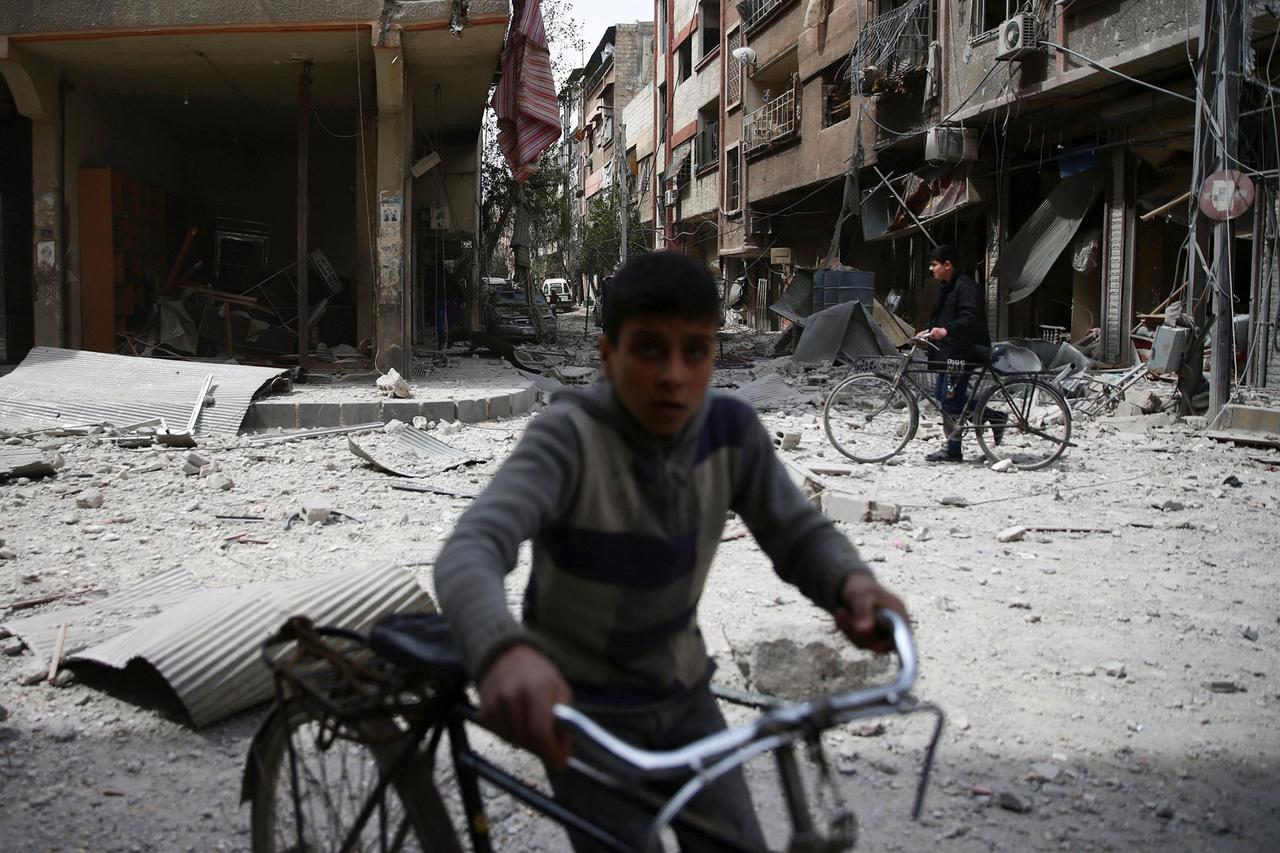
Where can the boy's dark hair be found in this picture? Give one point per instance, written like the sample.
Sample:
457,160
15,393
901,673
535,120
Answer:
945,252
660,283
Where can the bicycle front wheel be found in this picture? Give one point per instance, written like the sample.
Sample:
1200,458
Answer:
869,418
317,792
1023,420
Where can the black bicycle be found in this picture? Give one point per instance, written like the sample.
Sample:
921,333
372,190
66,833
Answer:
1016,415
346,759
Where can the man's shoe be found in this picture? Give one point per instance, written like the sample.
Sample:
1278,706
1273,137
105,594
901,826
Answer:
944,456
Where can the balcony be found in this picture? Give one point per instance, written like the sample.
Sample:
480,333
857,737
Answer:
892,46
774,123
756,12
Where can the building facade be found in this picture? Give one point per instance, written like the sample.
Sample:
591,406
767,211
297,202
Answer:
1053,143
209,147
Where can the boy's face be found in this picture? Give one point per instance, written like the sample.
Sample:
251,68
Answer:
660,366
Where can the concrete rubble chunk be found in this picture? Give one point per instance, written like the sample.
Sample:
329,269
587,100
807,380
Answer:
90,499
316,509
786,440
1012,534
1146,401
393,384
954,500
1003,466
843,507
221,482
1115,669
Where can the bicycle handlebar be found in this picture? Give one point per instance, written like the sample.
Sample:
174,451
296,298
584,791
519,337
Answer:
793,719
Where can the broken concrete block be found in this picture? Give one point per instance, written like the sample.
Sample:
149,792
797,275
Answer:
221,482
838,507
419,422
885,512
393,384
316,509
1011,534
1146,401
786,440
1125,409
394,427
1115,669
90,499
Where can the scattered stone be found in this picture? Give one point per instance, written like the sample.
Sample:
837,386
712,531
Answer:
1012,803
1115,669
221,482
394,426
1044,772
1249,632
64,678
420,422
316,509
842,507
1165,810
4,713
1032,618
1019,604
7,554
954,500
33,673
1003,466
1011,534
956,832
90,499
60,731
867,730
195,460
12,647
1170,506
945,604
393,384
1233,481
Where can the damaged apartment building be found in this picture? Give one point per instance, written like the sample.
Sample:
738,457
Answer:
1053,142
167,169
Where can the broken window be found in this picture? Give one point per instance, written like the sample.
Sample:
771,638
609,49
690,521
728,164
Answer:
707,145
709,21
684,60
732,179
837,100
988,15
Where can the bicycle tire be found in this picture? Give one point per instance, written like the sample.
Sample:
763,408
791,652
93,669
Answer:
410,816
860,401
1036,425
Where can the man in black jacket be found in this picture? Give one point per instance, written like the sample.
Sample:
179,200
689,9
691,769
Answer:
958,325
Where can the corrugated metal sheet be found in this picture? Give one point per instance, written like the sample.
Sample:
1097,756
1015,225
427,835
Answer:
766,392
432,454
208,647
1032,251
206,643
23,462
92,623
796,302
61,387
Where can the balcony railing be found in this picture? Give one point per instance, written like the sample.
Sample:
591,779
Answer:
755,11
891,46
776,121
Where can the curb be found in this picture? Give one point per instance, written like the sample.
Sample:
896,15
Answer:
290,414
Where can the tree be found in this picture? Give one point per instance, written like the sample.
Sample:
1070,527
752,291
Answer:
599,254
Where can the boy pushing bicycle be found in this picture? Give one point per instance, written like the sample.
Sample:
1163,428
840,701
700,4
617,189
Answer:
624,489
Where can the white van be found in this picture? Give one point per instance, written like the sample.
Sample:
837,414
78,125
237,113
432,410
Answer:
558,295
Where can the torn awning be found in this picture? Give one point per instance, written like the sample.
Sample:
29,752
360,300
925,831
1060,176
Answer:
929,195
525,99
1026,259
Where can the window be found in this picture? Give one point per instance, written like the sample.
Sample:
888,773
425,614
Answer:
836,101
684,60
732,180
988,15
732,70
707,144
662,113
709,21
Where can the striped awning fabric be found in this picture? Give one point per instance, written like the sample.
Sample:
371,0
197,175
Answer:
525,100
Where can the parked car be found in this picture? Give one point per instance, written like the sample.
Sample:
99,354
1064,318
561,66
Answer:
556,290
506,314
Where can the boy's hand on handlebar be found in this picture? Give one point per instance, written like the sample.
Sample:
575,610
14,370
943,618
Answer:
517,693
861,597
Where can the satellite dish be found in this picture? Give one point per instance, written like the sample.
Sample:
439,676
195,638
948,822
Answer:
1226,195
745,55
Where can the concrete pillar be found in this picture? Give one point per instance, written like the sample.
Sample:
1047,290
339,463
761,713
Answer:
34,87
366,226
393,310
1117,263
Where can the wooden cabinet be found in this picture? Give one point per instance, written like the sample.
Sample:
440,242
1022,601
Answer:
122,254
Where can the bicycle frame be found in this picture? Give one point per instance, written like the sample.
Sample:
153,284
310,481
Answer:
435,711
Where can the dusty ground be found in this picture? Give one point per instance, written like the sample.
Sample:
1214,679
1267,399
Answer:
1083,673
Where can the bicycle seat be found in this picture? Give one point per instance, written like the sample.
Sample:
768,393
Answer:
419,642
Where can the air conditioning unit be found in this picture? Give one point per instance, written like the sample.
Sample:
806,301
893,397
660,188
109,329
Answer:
1017,37
670,197
951,144
755,224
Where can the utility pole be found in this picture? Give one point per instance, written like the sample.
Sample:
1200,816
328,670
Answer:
1217,104
623,177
